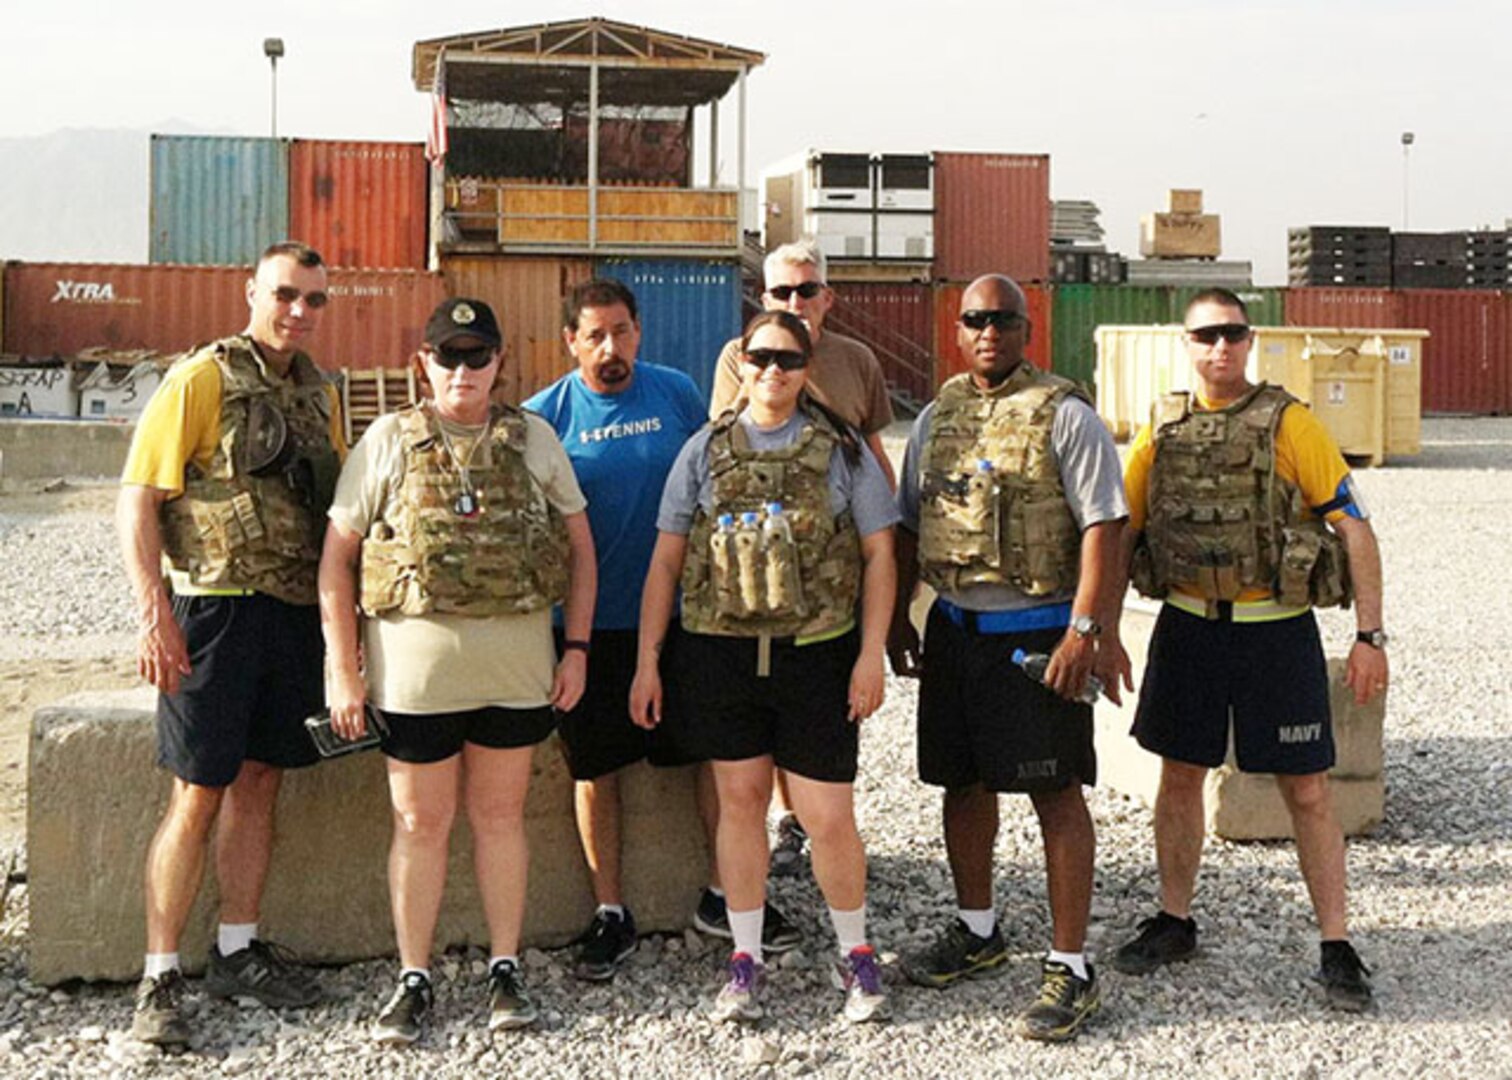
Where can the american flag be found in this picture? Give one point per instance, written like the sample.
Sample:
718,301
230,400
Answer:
435,138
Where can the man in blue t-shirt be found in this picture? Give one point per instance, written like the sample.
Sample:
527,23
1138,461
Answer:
622,422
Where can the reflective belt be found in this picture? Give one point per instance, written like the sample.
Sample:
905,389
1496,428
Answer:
828,635
182,586
1239,611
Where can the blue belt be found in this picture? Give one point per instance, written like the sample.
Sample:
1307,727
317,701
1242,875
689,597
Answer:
1047,617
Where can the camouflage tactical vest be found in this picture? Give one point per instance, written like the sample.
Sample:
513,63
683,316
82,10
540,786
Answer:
422,556
256,517
1220,520
798,573
992,510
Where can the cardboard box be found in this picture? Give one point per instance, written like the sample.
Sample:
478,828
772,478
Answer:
1180,236
1184,201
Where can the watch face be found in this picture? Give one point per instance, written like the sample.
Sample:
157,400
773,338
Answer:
1085,625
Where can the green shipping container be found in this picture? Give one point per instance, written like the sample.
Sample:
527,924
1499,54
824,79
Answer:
1267,307
1080,309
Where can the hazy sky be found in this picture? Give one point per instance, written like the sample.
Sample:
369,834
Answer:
1285,113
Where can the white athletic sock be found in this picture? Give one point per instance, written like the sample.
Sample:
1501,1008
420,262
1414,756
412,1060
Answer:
1076,961
617,910
512,958
159,963
745,927
850,929
980,922
234,937
424,973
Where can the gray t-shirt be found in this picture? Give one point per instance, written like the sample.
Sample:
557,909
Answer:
860,488
1089,471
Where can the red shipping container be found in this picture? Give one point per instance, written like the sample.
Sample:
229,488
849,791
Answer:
375,318
360,204
1343,308
1466,360
897,321
947,313
992,216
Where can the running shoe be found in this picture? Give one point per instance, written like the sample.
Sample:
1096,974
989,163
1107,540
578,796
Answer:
737,1000
861,978
1064,1003
957,953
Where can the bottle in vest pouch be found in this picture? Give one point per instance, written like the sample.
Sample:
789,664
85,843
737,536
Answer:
982,502
722,557
748,563
783,591
1035,664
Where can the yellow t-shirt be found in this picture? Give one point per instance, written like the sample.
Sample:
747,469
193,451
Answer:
1306,456
181,423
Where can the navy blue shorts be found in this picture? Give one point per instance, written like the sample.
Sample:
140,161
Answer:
983,721
257,669
598,736
1268,680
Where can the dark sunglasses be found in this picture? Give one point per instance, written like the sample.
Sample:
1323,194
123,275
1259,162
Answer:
785,359
476,358
1233,333
288,294
808,290
980,320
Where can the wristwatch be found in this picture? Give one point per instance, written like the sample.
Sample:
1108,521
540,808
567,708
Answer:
1376,639
1085,626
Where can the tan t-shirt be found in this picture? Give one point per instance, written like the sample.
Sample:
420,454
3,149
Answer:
452,663
843,374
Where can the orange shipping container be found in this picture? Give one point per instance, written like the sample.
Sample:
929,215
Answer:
360,204
948,309
992,216
1343,307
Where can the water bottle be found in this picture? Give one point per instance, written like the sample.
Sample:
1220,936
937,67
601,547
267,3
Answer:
982,505
723,559
780,556
1034,665
748,562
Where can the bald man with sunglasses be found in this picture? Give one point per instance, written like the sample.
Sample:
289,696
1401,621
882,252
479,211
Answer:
231,468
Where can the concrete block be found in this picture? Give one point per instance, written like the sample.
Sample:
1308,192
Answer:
1122,764
42,449
1359,730
1248,806
96,795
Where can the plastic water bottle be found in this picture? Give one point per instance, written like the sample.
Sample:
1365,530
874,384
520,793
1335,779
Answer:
720,553
1034,665
780,555
982,501
748,562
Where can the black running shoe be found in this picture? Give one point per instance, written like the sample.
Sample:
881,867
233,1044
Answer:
957,953
604,945
403,1018
264,971
1345,978
787,853
778,935
1163,939
158,1017
509,1004
1064,1003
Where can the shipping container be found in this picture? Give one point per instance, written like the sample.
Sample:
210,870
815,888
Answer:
992,216
947,308
689,308
1266,306
360,204
375,318
1081,309
217,200
1465,362
897,322
1343,307
526,294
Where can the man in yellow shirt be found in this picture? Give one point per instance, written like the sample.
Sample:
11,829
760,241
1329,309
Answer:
1228,491
228,478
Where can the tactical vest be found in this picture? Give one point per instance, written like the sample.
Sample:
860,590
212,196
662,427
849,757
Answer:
255,518
1220,520
992,510
423,556
759,575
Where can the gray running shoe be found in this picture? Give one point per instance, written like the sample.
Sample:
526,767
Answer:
509,1005
738,1000
861,979
1064,1003
403,1018
956,954
264,971
158,1017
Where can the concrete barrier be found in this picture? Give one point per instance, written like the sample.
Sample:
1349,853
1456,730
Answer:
42,449
1243,806
95,797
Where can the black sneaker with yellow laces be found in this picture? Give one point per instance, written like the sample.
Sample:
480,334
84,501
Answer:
1064,1003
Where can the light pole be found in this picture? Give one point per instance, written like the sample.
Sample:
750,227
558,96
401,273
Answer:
273,48
1407,138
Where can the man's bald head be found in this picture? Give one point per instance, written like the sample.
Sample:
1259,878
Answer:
995,292
993,328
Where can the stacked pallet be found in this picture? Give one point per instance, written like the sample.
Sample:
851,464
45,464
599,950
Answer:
1452,260
1357,255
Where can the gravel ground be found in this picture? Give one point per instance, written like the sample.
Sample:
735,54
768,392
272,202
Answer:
1431,891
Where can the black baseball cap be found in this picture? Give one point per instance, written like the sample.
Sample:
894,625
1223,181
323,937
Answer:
462,317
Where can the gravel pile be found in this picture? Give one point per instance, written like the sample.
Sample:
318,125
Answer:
1431,893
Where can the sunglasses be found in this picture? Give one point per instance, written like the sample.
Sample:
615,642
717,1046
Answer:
288,294
476,359
1233,333
785,359
980,320
808,290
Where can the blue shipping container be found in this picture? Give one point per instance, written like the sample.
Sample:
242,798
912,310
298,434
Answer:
689,308
217,200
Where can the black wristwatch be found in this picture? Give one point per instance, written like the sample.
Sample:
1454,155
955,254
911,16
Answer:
1376,639
1085,626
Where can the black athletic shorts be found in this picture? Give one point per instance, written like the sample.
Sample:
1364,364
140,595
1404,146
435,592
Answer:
424,738
598,736
256,672
1268,678
798,714
983,721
